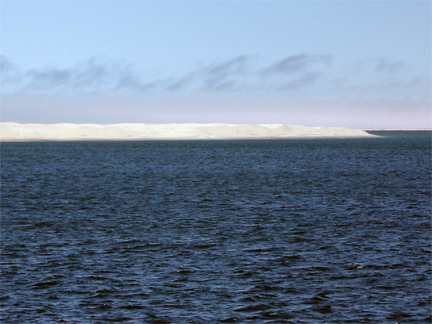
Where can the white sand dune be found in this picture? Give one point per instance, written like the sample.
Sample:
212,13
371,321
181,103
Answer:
13,132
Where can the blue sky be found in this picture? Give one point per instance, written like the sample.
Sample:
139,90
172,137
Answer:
363,64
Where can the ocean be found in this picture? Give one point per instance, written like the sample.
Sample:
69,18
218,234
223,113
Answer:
256,231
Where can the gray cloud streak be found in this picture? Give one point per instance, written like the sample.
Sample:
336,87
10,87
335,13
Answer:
237,65
297,63
49,78
304,80
5,64
378,65
241,73
181,83
226,75
90,75
238,73
383,65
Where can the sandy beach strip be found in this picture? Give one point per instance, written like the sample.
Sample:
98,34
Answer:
14,132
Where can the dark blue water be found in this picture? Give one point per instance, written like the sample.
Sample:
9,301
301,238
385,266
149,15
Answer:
272,231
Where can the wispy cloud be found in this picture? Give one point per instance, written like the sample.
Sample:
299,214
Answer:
9,72
302,81
298,63
92,76
40,79
385,66
379,65
240,73
6,65
237,65
227,75
245,73
180,83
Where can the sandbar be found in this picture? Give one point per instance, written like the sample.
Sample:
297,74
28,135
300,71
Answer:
15,132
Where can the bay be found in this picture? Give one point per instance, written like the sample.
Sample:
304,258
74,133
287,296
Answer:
257,231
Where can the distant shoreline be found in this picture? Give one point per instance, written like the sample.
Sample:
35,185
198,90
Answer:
397,129
14,132
70,140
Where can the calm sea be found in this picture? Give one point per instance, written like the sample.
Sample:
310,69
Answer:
264,231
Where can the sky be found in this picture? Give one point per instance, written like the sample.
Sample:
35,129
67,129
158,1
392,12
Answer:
359,64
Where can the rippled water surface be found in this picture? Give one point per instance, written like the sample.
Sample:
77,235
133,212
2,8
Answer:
282,231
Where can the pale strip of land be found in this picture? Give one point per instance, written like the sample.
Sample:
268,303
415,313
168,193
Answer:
399,129
14,132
